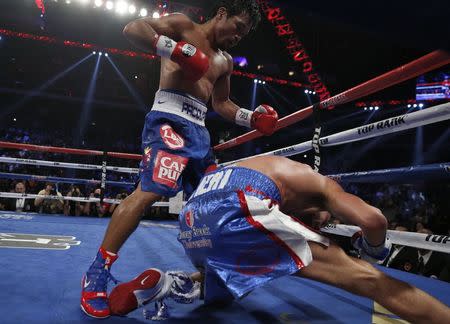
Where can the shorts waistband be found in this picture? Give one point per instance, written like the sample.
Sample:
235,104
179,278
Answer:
227,179
180,104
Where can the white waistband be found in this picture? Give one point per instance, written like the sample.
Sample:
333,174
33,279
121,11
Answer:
180,105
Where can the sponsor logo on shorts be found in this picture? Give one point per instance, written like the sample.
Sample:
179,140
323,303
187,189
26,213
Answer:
170,138
195,237
193,111
189,217
215,181
168,168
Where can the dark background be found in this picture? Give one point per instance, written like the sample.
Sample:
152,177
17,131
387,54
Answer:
349,42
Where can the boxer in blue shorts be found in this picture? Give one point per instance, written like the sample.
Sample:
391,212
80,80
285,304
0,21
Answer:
195,68
236,230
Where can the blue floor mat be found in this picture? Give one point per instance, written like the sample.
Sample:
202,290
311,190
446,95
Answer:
41,276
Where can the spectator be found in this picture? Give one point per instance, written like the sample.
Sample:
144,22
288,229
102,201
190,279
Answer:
445,273
419,261
419,227
95,208
389,209
71,207
46,205
430,263
18,204
396,248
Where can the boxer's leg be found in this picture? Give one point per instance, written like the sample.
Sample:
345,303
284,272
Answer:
332,266
126,218
124,221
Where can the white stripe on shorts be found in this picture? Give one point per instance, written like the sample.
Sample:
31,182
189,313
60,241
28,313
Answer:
293,234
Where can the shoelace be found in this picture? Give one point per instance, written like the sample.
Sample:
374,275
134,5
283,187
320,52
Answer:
102,277
183,290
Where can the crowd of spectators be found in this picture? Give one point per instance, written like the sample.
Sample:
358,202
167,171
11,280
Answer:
410,208
55,205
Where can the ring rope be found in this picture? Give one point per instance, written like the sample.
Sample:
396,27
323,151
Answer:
66,165
54,149
387,126
5,175
437,171
417,67
79,199
440,243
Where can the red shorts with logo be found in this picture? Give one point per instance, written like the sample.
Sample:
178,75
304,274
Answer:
176,154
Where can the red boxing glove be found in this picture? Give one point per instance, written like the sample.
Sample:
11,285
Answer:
193,61
264,119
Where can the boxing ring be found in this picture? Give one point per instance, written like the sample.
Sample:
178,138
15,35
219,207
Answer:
44,256
42,284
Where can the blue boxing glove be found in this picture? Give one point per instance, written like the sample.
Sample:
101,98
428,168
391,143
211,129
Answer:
370,253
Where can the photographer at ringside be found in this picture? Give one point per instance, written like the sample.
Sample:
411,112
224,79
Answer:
49,206
96,209
71,207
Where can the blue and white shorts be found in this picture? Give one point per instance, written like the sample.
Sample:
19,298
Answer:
175,144
232,230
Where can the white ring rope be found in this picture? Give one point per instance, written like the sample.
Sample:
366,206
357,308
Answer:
431,115
80,199
440,243
66,165
387,126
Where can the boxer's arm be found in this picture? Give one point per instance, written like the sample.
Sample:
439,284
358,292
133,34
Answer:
221,101
142,32
351,209
263,118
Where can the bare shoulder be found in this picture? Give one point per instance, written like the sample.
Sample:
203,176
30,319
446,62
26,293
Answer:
227,56
298,176
229,60
183,21
282,169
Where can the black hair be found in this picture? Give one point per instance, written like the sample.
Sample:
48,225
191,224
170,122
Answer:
236,7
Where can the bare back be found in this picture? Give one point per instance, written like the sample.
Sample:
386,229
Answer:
301,188
305,191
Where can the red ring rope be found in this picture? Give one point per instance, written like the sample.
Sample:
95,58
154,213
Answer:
53,149
422,65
